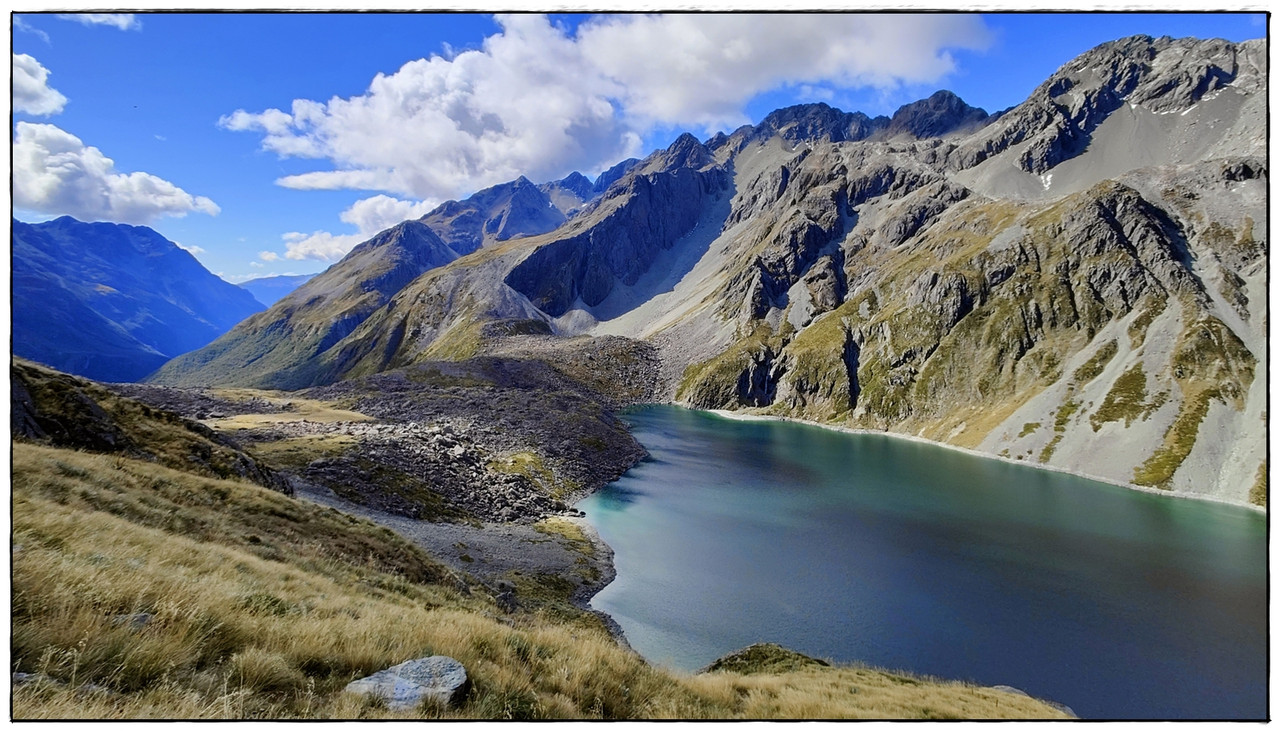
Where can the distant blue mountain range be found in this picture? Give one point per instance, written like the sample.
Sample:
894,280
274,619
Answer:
270,289
111,301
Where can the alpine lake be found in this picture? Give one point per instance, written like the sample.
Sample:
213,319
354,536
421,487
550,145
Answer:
904,555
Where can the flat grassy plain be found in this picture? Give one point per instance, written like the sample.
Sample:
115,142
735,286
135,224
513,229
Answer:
140,591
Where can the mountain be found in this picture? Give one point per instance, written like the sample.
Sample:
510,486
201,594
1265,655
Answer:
941,114
113,302
507,210
267,290
1078,281
293,332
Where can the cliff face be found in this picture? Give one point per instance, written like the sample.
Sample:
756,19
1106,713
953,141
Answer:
1078,281
646,214
1072,322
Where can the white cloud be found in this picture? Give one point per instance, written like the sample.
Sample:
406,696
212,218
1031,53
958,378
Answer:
368,215
319,245
371,215
55,173
526,103
22,25
536,101
31,91
712,65
123,21
193,249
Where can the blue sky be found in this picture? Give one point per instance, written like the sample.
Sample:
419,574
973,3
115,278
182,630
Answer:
396,112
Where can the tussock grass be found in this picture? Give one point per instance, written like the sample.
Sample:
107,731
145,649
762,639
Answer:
1158,470
259,606
530,465
1092,368
294,453
1126,400
1060,421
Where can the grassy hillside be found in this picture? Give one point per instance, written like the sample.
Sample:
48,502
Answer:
140,591
58,409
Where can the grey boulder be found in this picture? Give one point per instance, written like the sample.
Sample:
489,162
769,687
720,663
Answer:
406,685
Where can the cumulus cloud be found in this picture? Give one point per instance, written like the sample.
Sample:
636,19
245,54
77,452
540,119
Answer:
712,65
526,103
31,91
123,21
193,249
55,173
319,245
539,101
369,216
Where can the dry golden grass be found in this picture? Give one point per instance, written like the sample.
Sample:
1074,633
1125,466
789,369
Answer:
265,607
298,410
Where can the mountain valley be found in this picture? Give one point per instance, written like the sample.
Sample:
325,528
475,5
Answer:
226,510
1077,282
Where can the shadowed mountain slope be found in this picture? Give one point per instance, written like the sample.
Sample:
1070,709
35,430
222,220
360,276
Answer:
112,301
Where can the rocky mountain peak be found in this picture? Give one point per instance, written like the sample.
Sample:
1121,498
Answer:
612,175
686,152
818,121
411,236
578,184
1159,75
940,114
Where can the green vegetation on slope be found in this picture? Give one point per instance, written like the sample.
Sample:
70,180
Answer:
1158,469
1258,493
1209,363
1092,368
1127,399
714,383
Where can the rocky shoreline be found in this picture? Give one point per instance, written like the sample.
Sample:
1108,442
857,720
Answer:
494,552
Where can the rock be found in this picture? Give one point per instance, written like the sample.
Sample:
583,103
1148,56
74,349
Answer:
134,621
405,686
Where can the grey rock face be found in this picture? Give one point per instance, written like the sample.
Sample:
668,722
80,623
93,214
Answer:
1163,75
613,175
811,122
506,211
656,210
940,114
437,679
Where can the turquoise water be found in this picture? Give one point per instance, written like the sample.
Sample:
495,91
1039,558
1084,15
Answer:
904,555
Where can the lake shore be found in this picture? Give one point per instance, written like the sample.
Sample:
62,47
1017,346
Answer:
886,553
747,417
